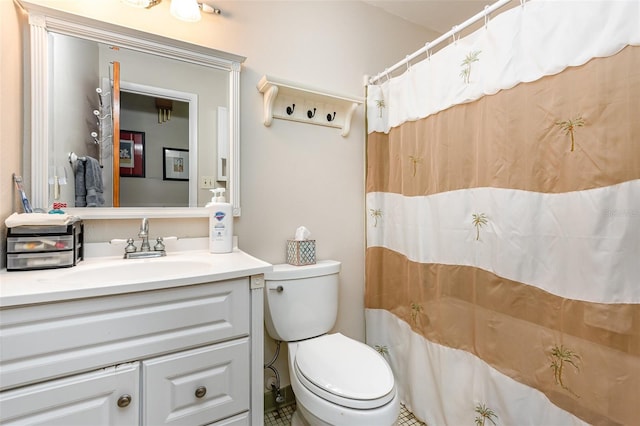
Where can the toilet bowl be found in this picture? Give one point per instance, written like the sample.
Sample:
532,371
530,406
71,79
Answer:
336,380
340,381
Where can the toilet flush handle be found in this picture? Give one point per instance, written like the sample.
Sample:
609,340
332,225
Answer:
279,289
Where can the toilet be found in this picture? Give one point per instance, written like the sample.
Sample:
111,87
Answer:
336,380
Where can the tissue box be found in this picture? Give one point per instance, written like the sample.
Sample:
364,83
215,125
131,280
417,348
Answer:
301,252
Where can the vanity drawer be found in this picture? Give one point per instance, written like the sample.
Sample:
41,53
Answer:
39,342
37,244
197,386
47,260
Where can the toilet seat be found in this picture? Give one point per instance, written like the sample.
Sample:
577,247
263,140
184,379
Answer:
344,371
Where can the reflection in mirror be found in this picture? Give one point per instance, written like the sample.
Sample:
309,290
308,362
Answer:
182,86
62,114
147,125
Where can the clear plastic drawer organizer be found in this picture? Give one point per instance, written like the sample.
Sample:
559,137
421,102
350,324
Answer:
44,247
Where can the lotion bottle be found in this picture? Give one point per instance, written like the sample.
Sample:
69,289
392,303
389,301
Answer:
220,223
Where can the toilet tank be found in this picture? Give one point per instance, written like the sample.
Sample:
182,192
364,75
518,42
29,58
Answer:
301,301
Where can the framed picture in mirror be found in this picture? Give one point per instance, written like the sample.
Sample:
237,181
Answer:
132,154
175,162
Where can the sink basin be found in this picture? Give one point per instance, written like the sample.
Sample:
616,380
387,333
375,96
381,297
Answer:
142,270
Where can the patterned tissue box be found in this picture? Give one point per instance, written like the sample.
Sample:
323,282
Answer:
301,252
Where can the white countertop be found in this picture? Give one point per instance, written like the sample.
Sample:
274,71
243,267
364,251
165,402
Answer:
107,275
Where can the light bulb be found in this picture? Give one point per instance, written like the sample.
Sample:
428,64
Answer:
185,10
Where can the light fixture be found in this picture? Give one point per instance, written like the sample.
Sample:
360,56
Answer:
185,10
209,9
164,106
141,3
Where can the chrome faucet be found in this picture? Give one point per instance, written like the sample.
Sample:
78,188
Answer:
144,234
130,251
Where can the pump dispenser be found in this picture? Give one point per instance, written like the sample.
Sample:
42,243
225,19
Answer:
220,223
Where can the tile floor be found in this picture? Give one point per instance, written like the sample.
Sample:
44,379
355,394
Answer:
282,417
406,418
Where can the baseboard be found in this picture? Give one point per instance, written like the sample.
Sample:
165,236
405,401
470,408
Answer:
270,399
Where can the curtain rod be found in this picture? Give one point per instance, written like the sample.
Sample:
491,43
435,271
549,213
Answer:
429,45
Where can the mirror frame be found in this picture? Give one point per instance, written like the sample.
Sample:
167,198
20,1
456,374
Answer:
42,21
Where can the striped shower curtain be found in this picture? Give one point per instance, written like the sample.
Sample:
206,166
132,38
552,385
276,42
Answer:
503,220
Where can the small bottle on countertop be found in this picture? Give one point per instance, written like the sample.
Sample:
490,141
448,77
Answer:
220,223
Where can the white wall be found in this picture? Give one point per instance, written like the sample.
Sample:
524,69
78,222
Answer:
296,174
292,173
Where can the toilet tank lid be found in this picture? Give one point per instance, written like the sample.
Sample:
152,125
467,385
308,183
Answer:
291,272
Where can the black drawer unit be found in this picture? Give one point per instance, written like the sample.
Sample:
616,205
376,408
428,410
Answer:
45,247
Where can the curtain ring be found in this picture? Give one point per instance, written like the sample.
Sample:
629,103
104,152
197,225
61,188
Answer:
486,16
406,58
426,49
522,2
454,29
386,72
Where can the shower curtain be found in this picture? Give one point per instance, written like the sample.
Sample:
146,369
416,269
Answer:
503,220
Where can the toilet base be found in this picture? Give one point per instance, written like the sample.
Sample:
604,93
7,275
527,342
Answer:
297,419
306,418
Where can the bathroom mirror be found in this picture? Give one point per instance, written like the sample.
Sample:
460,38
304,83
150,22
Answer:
210,81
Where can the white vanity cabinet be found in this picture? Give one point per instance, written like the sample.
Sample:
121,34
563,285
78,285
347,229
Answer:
192,387
177,354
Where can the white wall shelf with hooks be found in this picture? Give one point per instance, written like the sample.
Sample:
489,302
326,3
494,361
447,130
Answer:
286,100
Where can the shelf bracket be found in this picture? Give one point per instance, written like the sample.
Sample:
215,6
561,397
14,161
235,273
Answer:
279,95
270,95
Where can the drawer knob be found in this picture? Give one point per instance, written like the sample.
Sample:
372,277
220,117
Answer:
201,391
124,401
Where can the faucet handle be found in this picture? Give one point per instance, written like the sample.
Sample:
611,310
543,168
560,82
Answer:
160,242
130,248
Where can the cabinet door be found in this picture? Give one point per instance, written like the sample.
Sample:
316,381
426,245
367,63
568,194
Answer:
96,398
197,386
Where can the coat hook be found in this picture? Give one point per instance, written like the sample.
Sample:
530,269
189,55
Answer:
311,114
97,114
290,109
96,140
94,136
100,95
331,117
